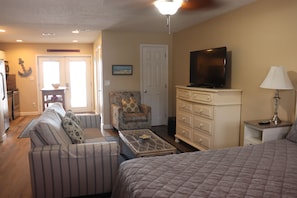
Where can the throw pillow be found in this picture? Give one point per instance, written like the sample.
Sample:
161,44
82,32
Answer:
72,116
73,130
292,135
130,105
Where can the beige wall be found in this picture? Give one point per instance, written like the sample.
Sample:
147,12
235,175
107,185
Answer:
29,53
124,48
259,35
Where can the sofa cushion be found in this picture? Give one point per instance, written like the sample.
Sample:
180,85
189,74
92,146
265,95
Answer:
134,117
73,117
73,130
130,105
58,108
93,135
48,130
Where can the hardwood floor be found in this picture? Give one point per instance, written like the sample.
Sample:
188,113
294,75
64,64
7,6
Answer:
14,165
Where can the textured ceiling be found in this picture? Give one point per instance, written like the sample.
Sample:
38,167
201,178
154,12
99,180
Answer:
29,19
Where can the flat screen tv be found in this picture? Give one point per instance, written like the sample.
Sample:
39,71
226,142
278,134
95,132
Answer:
209,68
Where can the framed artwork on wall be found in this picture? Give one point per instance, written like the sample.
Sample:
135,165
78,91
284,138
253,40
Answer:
122,69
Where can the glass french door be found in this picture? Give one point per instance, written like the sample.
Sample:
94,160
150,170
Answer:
74,73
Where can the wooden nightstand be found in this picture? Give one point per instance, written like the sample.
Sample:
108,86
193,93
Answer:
254,133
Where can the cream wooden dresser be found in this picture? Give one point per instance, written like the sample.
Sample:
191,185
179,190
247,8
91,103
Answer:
208,118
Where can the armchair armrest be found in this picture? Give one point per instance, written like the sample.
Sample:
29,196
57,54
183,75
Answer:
116,115
74,169
145,109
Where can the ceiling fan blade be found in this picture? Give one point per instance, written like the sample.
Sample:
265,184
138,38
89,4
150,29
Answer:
196,4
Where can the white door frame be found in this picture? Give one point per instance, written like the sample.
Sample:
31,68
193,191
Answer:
39,95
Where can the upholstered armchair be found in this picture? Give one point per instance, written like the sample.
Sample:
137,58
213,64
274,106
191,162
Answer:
127,112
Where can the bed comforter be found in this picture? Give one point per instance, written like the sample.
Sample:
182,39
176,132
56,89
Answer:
264,170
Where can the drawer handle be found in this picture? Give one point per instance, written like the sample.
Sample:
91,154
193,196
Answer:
201,111
200,140
200,125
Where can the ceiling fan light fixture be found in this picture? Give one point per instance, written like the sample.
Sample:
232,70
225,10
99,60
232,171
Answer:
168,7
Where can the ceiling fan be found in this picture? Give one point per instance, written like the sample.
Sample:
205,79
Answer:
170,7
191,5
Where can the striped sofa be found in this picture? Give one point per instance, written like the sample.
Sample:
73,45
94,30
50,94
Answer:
60,168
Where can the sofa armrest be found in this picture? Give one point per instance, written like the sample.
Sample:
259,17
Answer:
74,169
89,120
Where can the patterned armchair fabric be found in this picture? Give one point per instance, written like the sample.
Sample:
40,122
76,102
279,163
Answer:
121,120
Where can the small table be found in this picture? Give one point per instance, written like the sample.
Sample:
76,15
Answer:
152,146
254,133
51,95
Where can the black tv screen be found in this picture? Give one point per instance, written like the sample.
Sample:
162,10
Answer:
208,68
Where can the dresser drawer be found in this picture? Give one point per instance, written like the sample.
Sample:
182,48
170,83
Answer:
202,140
184,106
184,132
203,110
184,94
201,97
184,119
203,125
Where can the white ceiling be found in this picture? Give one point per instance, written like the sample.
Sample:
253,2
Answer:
28,19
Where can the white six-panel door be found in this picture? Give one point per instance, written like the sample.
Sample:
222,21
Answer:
154,81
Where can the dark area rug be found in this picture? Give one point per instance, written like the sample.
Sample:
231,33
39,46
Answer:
162,131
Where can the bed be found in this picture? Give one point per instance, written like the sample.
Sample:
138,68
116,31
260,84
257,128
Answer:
264,170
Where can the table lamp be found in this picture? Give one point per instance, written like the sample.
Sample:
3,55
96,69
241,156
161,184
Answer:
277,79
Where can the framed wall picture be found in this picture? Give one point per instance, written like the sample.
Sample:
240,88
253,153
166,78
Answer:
122,70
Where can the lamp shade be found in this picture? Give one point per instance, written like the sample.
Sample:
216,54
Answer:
168,7
277,78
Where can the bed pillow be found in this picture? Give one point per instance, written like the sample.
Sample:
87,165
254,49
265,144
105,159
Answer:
73,130
130,105
292,135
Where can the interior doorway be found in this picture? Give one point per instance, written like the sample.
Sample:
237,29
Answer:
154,81
72,72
